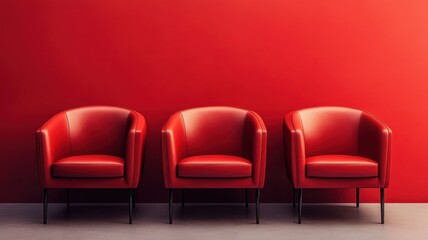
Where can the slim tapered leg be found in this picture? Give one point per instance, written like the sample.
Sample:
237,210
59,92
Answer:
382,205
130,205
170,205
257,205
357,193
300,205
45,206
68,198
294,197
246,197
182,197
133,198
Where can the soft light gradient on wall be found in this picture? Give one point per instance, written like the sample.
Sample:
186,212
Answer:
161,56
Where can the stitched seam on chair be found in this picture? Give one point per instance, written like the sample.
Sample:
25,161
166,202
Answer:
303,127
88,164
216,164
341,164
358,134
135,136
301,123
388,140
126,150
185,133
69,135
296,148
165,146
261,152
373,116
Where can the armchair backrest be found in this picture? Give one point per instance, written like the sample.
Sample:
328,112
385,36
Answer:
330,130
214,130
98,130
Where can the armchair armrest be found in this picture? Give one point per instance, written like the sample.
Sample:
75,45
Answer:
294,149
53,143
256,134
173,146
134,154
374,142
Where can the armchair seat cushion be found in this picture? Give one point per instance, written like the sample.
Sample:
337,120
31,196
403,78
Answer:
89,166
341,166
214,166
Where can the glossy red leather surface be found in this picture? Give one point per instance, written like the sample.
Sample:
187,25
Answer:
97,130
335,131
340,166
211,131
328,131
89,166
214,166
214,131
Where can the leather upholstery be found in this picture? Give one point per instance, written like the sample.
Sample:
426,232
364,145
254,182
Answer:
195,135
330,132
314,138
97,131
214,166
340,166
110,139
89,166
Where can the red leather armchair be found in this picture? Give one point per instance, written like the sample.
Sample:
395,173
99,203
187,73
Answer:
336,147
214,147
91,147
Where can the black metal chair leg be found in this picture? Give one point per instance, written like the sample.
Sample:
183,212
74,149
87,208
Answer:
133,198
45,206
246,197
170,205
68,198
130,206
358,197
300,205
182,197
382,205
257,205
294,197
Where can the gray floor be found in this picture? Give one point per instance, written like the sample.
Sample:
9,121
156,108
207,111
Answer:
213,221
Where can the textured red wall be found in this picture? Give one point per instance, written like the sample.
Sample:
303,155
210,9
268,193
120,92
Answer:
161,56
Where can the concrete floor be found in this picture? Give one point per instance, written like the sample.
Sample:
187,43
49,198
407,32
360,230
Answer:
213,221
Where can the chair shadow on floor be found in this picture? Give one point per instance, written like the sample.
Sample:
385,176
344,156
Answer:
92,213
214,213
337,213
89,213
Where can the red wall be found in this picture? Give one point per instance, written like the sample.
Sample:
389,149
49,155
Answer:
161,56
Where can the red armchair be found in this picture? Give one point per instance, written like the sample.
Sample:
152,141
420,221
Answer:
336,147
214,147
91,147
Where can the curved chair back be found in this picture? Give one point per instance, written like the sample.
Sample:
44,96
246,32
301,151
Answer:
330,130
98,130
